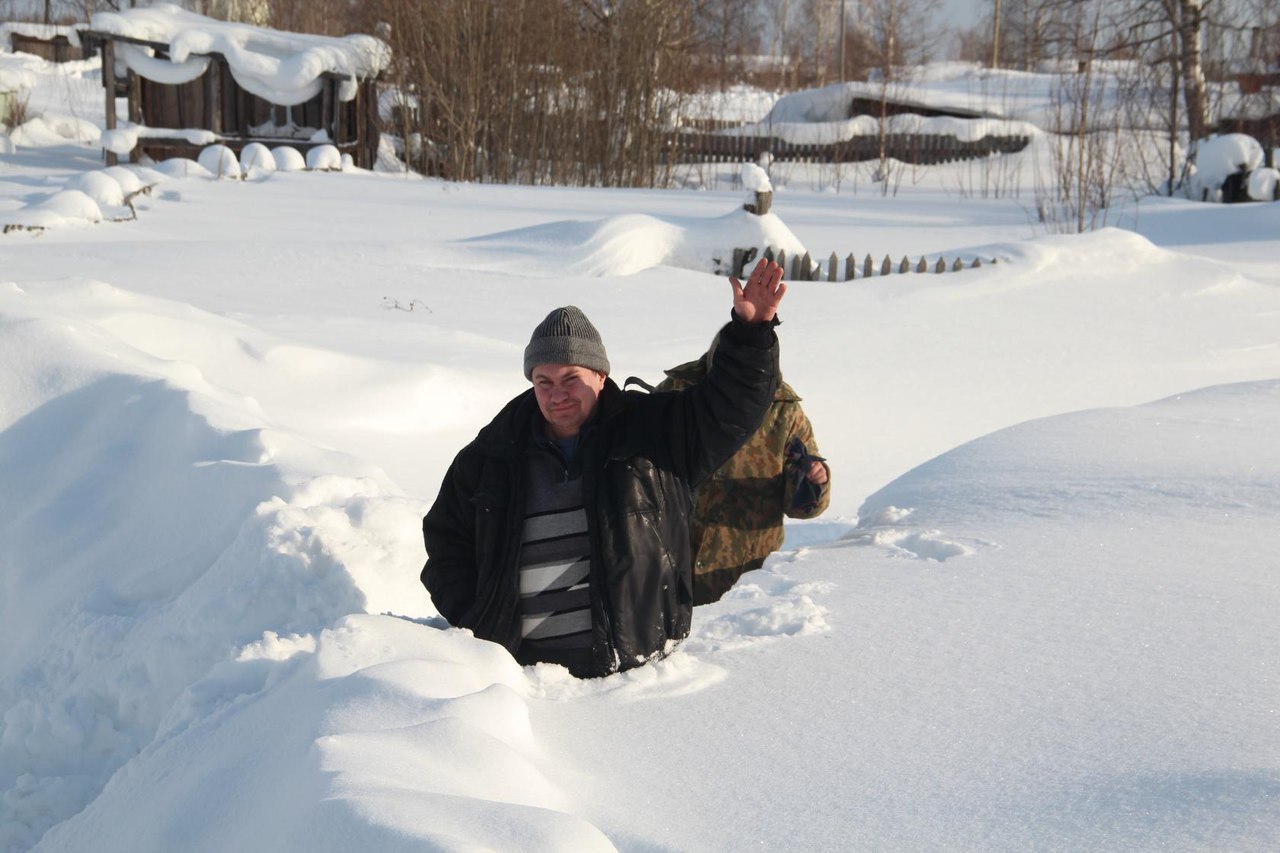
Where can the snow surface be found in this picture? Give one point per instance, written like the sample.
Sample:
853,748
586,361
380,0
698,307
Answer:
1040,613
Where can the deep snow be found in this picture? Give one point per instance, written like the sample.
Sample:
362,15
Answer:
1039,615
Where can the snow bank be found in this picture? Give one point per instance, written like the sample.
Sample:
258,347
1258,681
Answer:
50,129
281,67
195,535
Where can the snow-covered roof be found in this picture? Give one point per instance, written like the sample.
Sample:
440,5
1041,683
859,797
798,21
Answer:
44,32
281,67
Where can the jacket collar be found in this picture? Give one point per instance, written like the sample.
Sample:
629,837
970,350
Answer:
512,428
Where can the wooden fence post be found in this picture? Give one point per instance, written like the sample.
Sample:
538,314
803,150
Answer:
923,266
957,266
832,263
867,267
851,265
887,266
977,262
904,265
941,266
109,83
782,260
806,268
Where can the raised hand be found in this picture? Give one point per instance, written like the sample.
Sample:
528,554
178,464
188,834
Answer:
757,300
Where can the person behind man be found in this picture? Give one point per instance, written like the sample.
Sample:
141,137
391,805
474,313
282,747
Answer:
737,518
562,530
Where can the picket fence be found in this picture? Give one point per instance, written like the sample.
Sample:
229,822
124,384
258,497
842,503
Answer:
806,268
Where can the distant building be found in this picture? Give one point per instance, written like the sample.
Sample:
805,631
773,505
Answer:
1255,111
50,43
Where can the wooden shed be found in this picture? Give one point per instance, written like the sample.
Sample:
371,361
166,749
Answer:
208,75
49,42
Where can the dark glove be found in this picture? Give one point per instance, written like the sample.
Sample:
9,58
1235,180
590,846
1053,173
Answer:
806,495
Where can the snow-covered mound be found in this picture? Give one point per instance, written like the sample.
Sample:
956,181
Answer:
1219,156
628,244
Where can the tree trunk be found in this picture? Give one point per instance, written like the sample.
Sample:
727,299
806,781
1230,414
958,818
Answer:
1190,18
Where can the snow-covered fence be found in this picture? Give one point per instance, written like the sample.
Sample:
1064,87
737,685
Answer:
807,268
919,148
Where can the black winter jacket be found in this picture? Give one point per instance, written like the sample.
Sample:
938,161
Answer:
640,458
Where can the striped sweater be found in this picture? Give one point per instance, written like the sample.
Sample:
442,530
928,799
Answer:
555,564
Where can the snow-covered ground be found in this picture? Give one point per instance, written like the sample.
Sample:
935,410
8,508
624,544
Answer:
1040,613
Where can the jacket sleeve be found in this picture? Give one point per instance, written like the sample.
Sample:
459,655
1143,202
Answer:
801,436
707,423
448,529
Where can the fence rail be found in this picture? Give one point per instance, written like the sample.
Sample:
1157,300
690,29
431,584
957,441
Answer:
921,149
806,268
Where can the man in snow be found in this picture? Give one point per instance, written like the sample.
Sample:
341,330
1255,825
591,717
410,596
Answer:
562,530
737,521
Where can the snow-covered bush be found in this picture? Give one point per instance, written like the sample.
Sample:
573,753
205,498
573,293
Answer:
255,155
220,161
288,159
61,208
1219,156
103,189
324,157
1263,183
129,180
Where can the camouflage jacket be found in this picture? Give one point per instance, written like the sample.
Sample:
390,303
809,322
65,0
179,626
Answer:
737,519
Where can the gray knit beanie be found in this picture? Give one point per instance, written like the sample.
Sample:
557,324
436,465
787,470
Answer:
566,336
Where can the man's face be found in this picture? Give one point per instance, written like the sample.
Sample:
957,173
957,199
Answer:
566,395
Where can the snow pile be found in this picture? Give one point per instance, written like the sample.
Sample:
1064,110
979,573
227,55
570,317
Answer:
50,130
281,67
102,188
755,179
1220,156
221,162
287,159
123,139
324,158
257,156
1263,184
16,74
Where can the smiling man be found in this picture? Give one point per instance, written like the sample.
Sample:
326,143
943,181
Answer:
562,530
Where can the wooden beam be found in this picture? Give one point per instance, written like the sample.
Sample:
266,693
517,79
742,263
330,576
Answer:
109,84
